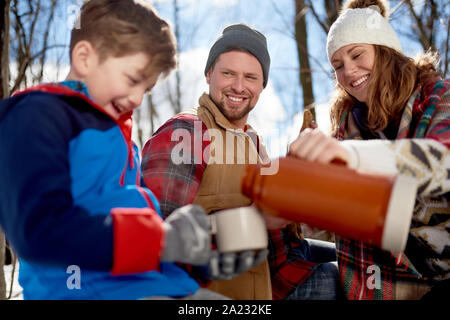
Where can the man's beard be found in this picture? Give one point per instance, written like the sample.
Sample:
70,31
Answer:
230,114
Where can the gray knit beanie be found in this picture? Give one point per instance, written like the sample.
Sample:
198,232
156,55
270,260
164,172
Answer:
241,35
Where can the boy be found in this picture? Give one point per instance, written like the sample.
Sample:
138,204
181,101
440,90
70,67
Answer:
70,201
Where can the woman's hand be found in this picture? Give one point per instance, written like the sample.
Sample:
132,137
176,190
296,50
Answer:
314,145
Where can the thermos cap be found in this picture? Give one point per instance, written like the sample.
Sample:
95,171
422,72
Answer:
399,214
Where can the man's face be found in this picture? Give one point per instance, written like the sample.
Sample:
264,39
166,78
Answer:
235,83
117,83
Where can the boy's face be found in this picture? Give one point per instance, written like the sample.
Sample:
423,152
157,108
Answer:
117,83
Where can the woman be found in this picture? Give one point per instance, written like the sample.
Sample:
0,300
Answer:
394,114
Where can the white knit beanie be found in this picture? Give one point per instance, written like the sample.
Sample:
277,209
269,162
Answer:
361,25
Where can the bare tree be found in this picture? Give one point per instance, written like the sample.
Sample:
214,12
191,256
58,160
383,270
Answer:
425,23
301,37
428,17
152,113
24,24
137,116
4,92
302,8
170,92
332,11
31,24
45,45
177,102
4,48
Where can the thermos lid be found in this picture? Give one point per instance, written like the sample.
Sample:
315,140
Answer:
399,214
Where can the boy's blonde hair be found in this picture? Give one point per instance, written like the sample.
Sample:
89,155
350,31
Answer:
116,28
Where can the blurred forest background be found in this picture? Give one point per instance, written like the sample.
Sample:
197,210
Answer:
34,38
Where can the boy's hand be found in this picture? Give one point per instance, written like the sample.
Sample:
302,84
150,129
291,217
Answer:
225,266
188,238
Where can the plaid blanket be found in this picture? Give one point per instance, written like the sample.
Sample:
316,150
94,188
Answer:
367,272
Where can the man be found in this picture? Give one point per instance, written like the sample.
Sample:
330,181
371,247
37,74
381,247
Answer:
198,157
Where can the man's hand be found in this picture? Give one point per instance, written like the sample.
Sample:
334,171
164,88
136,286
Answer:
188,238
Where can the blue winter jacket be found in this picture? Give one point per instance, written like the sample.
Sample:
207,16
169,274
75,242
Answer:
71,205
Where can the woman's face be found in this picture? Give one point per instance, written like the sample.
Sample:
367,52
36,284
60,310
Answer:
353,67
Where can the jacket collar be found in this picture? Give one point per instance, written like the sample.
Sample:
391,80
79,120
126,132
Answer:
70,88
79,89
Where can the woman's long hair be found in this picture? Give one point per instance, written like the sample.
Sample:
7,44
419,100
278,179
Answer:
394,78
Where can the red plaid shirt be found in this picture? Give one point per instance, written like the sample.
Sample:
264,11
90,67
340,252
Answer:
176,185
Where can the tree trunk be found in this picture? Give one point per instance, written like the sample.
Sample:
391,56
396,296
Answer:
4,48
2,263
137,116
301,37
152,113
4,92
177,106
332,9
431,19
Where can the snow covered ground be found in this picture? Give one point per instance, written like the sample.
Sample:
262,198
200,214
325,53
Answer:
16,289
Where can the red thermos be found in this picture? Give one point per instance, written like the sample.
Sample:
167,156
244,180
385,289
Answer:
374,208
